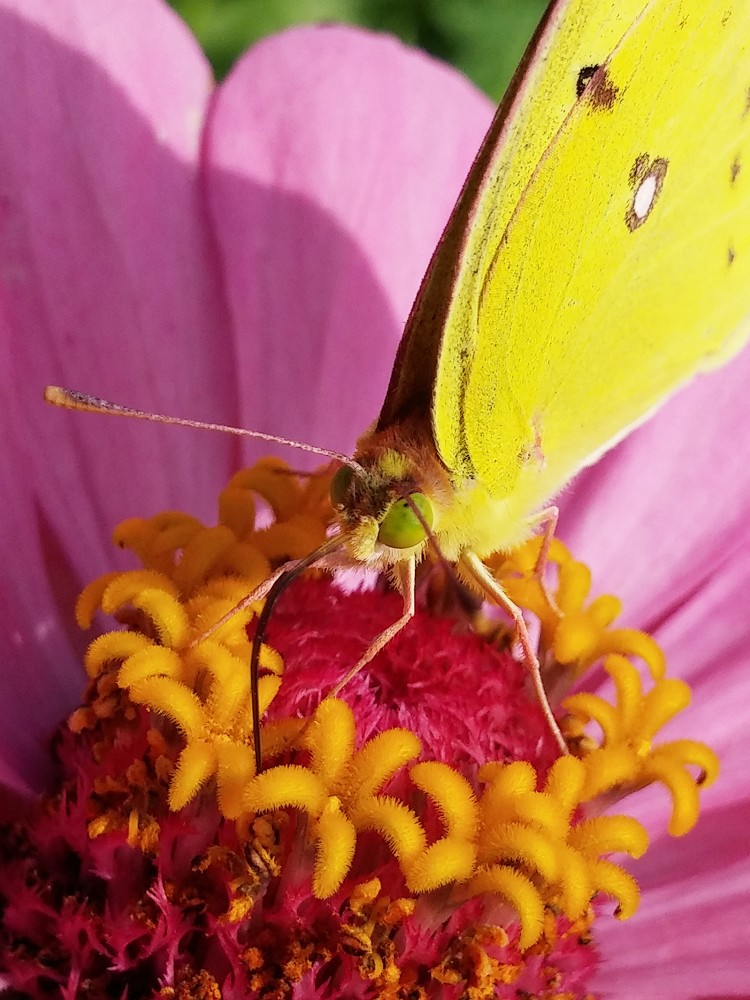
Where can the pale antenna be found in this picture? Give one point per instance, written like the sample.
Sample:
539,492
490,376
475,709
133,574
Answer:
70,399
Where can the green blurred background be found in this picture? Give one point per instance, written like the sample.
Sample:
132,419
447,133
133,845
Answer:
483,38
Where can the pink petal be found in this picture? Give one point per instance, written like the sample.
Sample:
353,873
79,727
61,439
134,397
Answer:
333,160
689,939
41,678
108,286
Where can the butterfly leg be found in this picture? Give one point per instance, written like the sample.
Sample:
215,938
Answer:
406,575
492,589
547,520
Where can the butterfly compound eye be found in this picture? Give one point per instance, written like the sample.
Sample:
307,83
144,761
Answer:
340,485
401,527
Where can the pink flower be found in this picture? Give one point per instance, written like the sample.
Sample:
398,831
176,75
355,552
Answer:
162,242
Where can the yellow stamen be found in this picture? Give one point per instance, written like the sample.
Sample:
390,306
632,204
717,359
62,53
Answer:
378,761
396,823
578,636
620,885
235,767
197,763
450,859
576,889
330,740
113,647
518,891
173,699
609,834
627,760
289,785
90,599
336,840
125,586
153,661
155,540
453,796
532,848
201,556
229,682
682,788
565,782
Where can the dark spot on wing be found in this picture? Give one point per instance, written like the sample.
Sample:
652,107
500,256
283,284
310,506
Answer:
646,179
734,169
598,88
584,75
731,256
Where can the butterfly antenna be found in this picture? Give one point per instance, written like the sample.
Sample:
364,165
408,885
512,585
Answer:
70,399
278,588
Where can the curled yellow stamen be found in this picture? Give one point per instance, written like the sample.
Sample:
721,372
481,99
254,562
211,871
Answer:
577,635
627,758
519,891
283,786
609,834
533,848
395,822
336,841
450,859
616,882
378,761
235,768
196,765
452,794
330,740
201,555
173,699
152,661
113,647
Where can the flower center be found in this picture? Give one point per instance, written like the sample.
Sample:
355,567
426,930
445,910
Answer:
419,832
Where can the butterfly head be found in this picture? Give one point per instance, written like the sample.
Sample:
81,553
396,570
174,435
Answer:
383,509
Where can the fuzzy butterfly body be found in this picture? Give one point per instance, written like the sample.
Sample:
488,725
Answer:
598,258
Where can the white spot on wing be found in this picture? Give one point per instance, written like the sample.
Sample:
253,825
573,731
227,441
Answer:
644,197
646,179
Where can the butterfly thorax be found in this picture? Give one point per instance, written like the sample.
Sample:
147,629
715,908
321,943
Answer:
400,468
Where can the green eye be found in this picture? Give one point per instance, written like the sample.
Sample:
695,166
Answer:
401,528
340,485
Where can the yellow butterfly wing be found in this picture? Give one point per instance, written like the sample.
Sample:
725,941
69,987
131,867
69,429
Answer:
567,43
625,267
600,254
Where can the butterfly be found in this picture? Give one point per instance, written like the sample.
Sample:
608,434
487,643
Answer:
598,257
